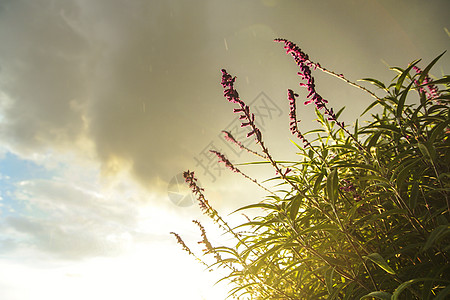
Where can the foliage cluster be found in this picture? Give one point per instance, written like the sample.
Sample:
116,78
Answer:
363,213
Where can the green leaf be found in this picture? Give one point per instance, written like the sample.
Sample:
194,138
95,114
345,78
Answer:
427,150
428,68
358,166
260,261
374,139
406,168
430,287
336,291
349,291
437,130
384,215
378,294
416,112
443,293
445,80
371,106
332,186
324,227
374,82
406,284
373,177
329,279
402,77
401,101
258,205
392,128
379,260
295,205
334,261
318,182
438,233
245,287
339,112
320,116
414,195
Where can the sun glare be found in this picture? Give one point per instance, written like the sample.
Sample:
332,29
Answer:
150,272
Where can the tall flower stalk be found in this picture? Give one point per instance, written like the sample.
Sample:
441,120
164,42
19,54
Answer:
361,222
248,120
313,96
303,58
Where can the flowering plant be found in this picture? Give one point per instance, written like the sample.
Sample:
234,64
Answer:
363,214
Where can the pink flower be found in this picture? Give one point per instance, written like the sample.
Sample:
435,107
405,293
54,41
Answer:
232,95
305,65
433,91
293,118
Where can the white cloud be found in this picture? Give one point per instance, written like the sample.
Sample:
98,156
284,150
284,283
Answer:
80,235
68,218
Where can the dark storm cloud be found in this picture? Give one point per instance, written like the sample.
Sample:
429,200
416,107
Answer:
43,68
140,79
120,74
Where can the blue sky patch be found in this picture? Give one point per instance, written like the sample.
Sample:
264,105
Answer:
13,170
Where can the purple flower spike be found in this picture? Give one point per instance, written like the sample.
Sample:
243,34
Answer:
305,65
248,119
293,118
433,91
223,159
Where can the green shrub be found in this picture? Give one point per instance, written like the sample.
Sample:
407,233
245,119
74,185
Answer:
363,213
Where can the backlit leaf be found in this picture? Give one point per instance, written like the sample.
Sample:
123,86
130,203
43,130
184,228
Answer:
378,294
379,260
374,82
403,75
295,205
332,186
436,235
404,285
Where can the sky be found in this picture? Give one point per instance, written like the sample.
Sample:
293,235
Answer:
103,104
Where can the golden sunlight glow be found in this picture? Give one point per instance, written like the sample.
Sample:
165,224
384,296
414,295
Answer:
150,272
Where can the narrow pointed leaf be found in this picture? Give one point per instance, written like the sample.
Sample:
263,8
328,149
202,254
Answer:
318,182
258,205
404,285
427,150
428,68
378,295
444,80
436,235
332,186
374,82
401,101
370,107
295,205
443,294
403,76
329,280
339,112
414,195
379,260
324,227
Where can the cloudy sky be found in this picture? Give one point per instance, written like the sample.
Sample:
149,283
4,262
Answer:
104,103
